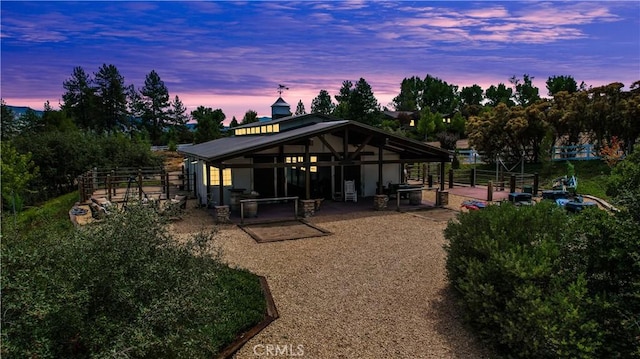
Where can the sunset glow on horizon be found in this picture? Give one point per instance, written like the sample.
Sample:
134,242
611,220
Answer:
232,56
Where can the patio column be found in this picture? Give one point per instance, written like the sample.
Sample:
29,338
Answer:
208,184
442,176
379,189
307,177
221,186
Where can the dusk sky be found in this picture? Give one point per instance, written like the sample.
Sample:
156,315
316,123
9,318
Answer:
233,55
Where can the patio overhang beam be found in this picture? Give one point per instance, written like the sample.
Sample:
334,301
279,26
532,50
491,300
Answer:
360,148
328,145
325,163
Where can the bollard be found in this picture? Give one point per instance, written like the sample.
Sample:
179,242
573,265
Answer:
451,178
490,191
472,180
512,184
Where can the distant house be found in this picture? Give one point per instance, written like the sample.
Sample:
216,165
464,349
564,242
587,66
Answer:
407,119
309,156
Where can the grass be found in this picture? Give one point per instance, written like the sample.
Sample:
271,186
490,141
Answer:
196,304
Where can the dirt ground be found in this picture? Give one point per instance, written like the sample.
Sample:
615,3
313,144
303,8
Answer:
375,288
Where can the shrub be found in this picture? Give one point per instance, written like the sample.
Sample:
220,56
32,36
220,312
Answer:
123,288
506,264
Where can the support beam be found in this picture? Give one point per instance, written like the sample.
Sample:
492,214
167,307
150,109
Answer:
307,166
328,145
208,184
380,184
221,186
360,147
442,180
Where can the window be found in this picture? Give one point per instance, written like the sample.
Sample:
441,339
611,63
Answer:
300,159
241,131
215,177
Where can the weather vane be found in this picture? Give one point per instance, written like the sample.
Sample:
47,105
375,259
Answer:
281,89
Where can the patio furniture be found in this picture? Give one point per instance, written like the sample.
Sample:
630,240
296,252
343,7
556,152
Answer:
350,193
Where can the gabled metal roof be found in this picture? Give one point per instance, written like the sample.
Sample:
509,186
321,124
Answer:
231,147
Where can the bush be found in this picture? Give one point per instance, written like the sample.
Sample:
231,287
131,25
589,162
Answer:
537,282
123,288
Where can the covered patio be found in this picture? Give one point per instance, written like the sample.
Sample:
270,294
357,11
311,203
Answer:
312,161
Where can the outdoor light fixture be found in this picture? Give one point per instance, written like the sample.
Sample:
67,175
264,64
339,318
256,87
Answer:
194,162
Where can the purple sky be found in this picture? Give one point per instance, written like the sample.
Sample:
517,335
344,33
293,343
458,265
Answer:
233,55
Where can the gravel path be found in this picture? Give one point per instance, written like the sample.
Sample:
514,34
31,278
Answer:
375,288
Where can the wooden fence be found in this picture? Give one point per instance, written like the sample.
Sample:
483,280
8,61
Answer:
122,184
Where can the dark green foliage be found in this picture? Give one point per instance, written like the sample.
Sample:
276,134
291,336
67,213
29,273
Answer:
624,182
209,123
322,103
536,282
123,288
62,156
358,103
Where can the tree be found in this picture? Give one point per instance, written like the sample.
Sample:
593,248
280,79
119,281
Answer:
499,94
17,170
234,122
155,116
178,119
300,109
471,96
411,90
322,103
79,99
556,84
250,116
439,96
111,98
525,93
358,103
427,123
53,120
209,123
10,126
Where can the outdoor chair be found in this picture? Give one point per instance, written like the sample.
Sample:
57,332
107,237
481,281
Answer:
350,193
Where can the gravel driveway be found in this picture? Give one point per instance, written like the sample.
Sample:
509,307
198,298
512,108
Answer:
375,288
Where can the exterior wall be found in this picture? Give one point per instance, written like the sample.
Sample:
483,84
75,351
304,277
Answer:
369,173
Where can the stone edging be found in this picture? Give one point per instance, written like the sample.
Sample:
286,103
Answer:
271,314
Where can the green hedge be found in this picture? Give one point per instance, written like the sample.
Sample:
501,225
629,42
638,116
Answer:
536,282
123,288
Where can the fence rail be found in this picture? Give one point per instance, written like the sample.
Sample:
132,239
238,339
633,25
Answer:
128,183
586,152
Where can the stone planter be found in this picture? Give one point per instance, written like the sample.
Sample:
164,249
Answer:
380,202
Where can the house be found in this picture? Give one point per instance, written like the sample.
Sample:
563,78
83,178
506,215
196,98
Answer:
310,156
406,119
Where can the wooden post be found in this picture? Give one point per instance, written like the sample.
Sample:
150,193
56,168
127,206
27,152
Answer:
379,189
490,191
451,178
114,182
139,184
536,183
472,178
166,183
221,187
109,187
307,177
441,180
512,184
